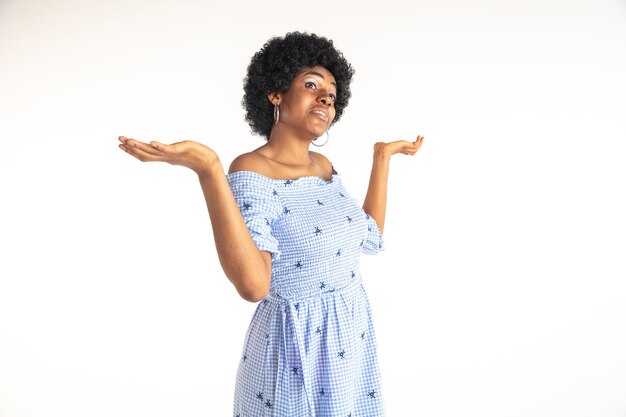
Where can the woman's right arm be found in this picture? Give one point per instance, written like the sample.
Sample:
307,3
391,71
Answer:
248,268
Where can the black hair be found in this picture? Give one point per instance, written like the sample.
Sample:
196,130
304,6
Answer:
273,68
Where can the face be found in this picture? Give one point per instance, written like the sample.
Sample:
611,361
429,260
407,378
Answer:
308,106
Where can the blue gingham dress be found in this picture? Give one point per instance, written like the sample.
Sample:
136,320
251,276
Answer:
310,349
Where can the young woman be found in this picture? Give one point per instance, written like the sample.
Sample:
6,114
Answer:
288,234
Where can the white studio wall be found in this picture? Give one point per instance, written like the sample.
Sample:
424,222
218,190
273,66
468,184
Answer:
502,289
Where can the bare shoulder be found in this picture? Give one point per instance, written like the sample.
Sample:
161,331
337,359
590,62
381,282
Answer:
251,161
323,162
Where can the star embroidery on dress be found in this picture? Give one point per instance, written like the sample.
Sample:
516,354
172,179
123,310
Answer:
244,357
268,404
341,194
322,392
267,222
371,394
362,335
353,274
322,286
299,264
247,206
295,370
274,193
319,203
317,230
288,182
259,395
342,354
349,219
367,216
318,331
338,252
369,228
286,210
297,306
265,301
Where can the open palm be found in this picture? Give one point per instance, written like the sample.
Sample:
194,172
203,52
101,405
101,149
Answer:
187,153
400,146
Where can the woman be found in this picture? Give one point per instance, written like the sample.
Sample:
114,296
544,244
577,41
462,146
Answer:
288,233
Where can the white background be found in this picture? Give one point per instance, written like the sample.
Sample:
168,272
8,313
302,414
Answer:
502,290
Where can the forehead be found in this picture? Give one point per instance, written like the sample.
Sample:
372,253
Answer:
317,71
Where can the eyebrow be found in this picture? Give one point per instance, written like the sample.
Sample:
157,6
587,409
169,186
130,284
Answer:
319,75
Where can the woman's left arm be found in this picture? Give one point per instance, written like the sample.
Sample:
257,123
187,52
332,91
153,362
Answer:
375,203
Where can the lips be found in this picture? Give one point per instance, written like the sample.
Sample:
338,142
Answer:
321,112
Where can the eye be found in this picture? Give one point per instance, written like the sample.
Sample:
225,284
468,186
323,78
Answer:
333,97
310,84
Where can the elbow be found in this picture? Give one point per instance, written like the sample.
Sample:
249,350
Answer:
252,281
253,295
252,290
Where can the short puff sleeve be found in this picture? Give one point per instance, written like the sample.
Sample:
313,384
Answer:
259,208
374,241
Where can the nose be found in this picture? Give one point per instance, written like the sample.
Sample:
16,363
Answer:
324,98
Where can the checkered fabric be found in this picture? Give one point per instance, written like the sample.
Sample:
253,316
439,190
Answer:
310,349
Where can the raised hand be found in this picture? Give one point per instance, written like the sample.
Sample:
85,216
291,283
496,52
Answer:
187,153
400,146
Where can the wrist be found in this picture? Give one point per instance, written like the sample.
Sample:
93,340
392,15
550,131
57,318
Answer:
381,151
210,168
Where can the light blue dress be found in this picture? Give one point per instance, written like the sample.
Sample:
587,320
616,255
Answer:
310,349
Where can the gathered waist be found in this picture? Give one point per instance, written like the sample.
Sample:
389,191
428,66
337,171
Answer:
348,290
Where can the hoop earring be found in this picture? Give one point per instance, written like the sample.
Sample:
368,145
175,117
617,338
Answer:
276,114
327,138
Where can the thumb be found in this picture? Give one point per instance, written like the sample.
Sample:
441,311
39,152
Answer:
158,145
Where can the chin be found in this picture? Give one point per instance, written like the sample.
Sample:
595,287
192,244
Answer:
318,134
315,132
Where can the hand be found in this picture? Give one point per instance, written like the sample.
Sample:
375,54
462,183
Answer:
187,153
387,149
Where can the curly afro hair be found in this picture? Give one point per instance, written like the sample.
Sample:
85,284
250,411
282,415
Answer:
278,62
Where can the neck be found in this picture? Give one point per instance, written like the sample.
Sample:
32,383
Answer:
288,148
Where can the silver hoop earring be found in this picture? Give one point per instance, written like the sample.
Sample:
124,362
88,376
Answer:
276,114
327,138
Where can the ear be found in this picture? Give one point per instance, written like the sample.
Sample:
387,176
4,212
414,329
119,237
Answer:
274,98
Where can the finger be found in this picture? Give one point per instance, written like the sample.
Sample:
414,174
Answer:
125,145
144,147
126,141
142,155
163,147
130,150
